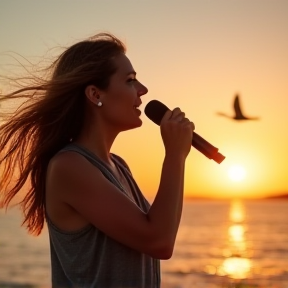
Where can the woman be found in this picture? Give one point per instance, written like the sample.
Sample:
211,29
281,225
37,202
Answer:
103,232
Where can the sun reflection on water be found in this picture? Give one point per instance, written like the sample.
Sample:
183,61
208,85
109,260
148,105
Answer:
237,264
235,267
237,213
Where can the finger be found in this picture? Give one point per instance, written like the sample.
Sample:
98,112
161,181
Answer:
179,117
166,116
184,119
177,114
188,122
192,125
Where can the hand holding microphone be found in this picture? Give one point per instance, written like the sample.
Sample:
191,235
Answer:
176,132
155,110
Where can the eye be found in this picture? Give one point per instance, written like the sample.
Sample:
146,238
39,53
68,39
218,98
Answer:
132,80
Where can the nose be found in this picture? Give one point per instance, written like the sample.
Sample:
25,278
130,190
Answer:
141,90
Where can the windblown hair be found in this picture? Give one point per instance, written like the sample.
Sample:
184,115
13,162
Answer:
51,117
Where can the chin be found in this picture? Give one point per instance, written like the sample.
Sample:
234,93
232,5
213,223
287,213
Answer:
135,125
139,123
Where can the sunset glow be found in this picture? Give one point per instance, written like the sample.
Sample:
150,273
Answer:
236,173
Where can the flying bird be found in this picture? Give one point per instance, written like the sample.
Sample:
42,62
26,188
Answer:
238,112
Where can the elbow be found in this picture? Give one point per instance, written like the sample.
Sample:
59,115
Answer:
164,254
159,242
162,250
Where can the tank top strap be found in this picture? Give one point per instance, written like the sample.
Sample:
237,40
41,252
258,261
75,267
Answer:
93,159
121,163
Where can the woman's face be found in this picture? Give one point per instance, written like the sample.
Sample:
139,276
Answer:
122,98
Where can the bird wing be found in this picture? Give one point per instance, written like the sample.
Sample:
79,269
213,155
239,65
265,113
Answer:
237,108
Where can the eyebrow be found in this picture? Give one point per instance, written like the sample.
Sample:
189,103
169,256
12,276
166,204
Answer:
132,72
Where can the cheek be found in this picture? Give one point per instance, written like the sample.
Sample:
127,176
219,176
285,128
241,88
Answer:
123,97
115,111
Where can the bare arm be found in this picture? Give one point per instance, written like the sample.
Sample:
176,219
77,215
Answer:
166,209
165,212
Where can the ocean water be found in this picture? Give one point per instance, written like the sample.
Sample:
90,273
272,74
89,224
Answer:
235,244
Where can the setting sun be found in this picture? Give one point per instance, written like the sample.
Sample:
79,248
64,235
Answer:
236,173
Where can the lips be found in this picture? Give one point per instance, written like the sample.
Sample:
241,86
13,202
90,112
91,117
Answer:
137,110
137,106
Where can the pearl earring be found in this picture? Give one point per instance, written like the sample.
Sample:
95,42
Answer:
99,104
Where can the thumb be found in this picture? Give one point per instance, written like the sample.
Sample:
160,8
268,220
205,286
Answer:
166,116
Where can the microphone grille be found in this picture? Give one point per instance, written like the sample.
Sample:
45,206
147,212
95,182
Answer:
155,111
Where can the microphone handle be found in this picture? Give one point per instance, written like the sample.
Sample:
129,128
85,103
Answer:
206,148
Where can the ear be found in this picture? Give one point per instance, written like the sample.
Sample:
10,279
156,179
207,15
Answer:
92,93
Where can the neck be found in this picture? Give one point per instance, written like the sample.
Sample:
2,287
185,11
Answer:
99,140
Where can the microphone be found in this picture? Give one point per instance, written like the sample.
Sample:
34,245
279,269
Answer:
155,111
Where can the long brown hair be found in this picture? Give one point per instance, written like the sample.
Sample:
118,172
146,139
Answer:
51,116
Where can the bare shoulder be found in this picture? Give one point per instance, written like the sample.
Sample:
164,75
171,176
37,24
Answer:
63,161
63,174
68,167
70,174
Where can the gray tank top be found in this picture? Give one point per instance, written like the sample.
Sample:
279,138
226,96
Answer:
87,258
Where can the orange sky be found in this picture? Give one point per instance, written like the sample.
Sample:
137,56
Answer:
191,54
